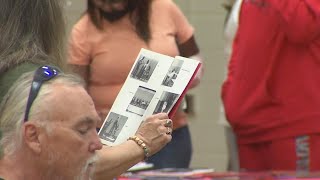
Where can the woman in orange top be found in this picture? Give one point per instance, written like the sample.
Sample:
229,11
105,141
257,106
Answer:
105,42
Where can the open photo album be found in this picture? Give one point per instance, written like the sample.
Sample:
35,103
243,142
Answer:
156,83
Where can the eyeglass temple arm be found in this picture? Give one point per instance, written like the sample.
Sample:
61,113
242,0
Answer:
32,96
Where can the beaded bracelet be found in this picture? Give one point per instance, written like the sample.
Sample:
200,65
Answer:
143,145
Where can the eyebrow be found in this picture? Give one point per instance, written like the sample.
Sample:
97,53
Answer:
86,121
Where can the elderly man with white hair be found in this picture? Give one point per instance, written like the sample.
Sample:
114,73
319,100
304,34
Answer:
48,124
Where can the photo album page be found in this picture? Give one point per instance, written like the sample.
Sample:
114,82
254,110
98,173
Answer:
156,83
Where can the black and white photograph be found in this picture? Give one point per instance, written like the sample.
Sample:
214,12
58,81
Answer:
112,127
141,100
172,74
166,102
143,68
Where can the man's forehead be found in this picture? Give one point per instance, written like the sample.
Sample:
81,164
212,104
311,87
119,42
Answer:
72,101
70,89
73,93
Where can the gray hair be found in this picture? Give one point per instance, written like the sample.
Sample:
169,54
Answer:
13,106
32,31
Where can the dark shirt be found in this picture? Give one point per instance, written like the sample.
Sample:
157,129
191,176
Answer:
9,77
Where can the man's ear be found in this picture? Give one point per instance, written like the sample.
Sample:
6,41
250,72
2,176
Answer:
31,135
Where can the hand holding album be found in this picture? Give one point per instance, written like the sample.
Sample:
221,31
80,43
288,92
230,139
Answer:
156,83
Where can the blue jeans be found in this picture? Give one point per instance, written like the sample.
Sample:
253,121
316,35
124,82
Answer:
177,153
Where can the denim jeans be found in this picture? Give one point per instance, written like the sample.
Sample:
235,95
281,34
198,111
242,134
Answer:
177,153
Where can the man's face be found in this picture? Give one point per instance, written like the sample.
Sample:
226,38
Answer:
71,139
110,6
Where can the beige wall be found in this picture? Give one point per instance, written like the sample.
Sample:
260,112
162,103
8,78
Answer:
207,17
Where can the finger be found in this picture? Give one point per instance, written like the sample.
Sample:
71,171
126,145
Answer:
169,131
168,123
159,116
165,130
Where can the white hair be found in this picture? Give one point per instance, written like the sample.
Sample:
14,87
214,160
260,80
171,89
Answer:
13,106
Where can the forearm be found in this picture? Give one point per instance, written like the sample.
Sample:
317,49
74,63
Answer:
301,18
113,161
190,49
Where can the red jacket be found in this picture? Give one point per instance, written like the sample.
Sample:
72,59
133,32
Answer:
273,85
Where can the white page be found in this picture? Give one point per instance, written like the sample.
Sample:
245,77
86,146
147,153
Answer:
154,84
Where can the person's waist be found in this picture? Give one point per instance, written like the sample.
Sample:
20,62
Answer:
258,130
179,120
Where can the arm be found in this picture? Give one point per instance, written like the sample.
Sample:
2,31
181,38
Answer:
79,51
186,41
113,161
301,18
191,50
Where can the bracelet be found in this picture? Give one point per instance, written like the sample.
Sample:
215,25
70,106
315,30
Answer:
143,145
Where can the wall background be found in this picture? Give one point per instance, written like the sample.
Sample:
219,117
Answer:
207,17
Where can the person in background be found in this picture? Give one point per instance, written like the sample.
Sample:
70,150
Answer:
105,42
25,42
30,39
271,94
230,28
0,146
50,133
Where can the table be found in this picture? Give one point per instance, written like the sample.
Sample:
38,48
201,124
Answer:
195,174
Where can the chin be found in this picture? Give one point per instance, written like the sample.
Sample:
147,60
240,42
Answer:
86,172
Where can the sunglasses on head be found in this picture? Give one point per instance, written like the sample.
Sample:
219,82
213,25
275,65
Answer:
42,74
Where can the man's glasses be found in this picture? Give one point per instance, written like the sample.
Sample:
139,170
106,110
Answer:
42,74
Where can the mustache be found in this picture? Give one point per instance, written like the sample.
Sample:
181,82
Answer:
93,159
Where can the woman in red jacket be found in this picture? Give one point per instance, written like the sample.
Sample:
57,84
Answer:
271,95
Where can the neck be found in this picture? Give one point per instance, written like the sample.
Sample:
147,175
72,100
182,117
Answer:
18,166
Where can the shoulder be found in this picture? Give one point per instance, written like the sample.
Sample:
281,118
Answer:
83,34
83,21
83,26
169,9
166,10
164,5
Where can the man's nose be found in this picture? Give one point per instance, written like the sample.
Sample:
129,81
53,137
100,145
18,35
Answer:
95,143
